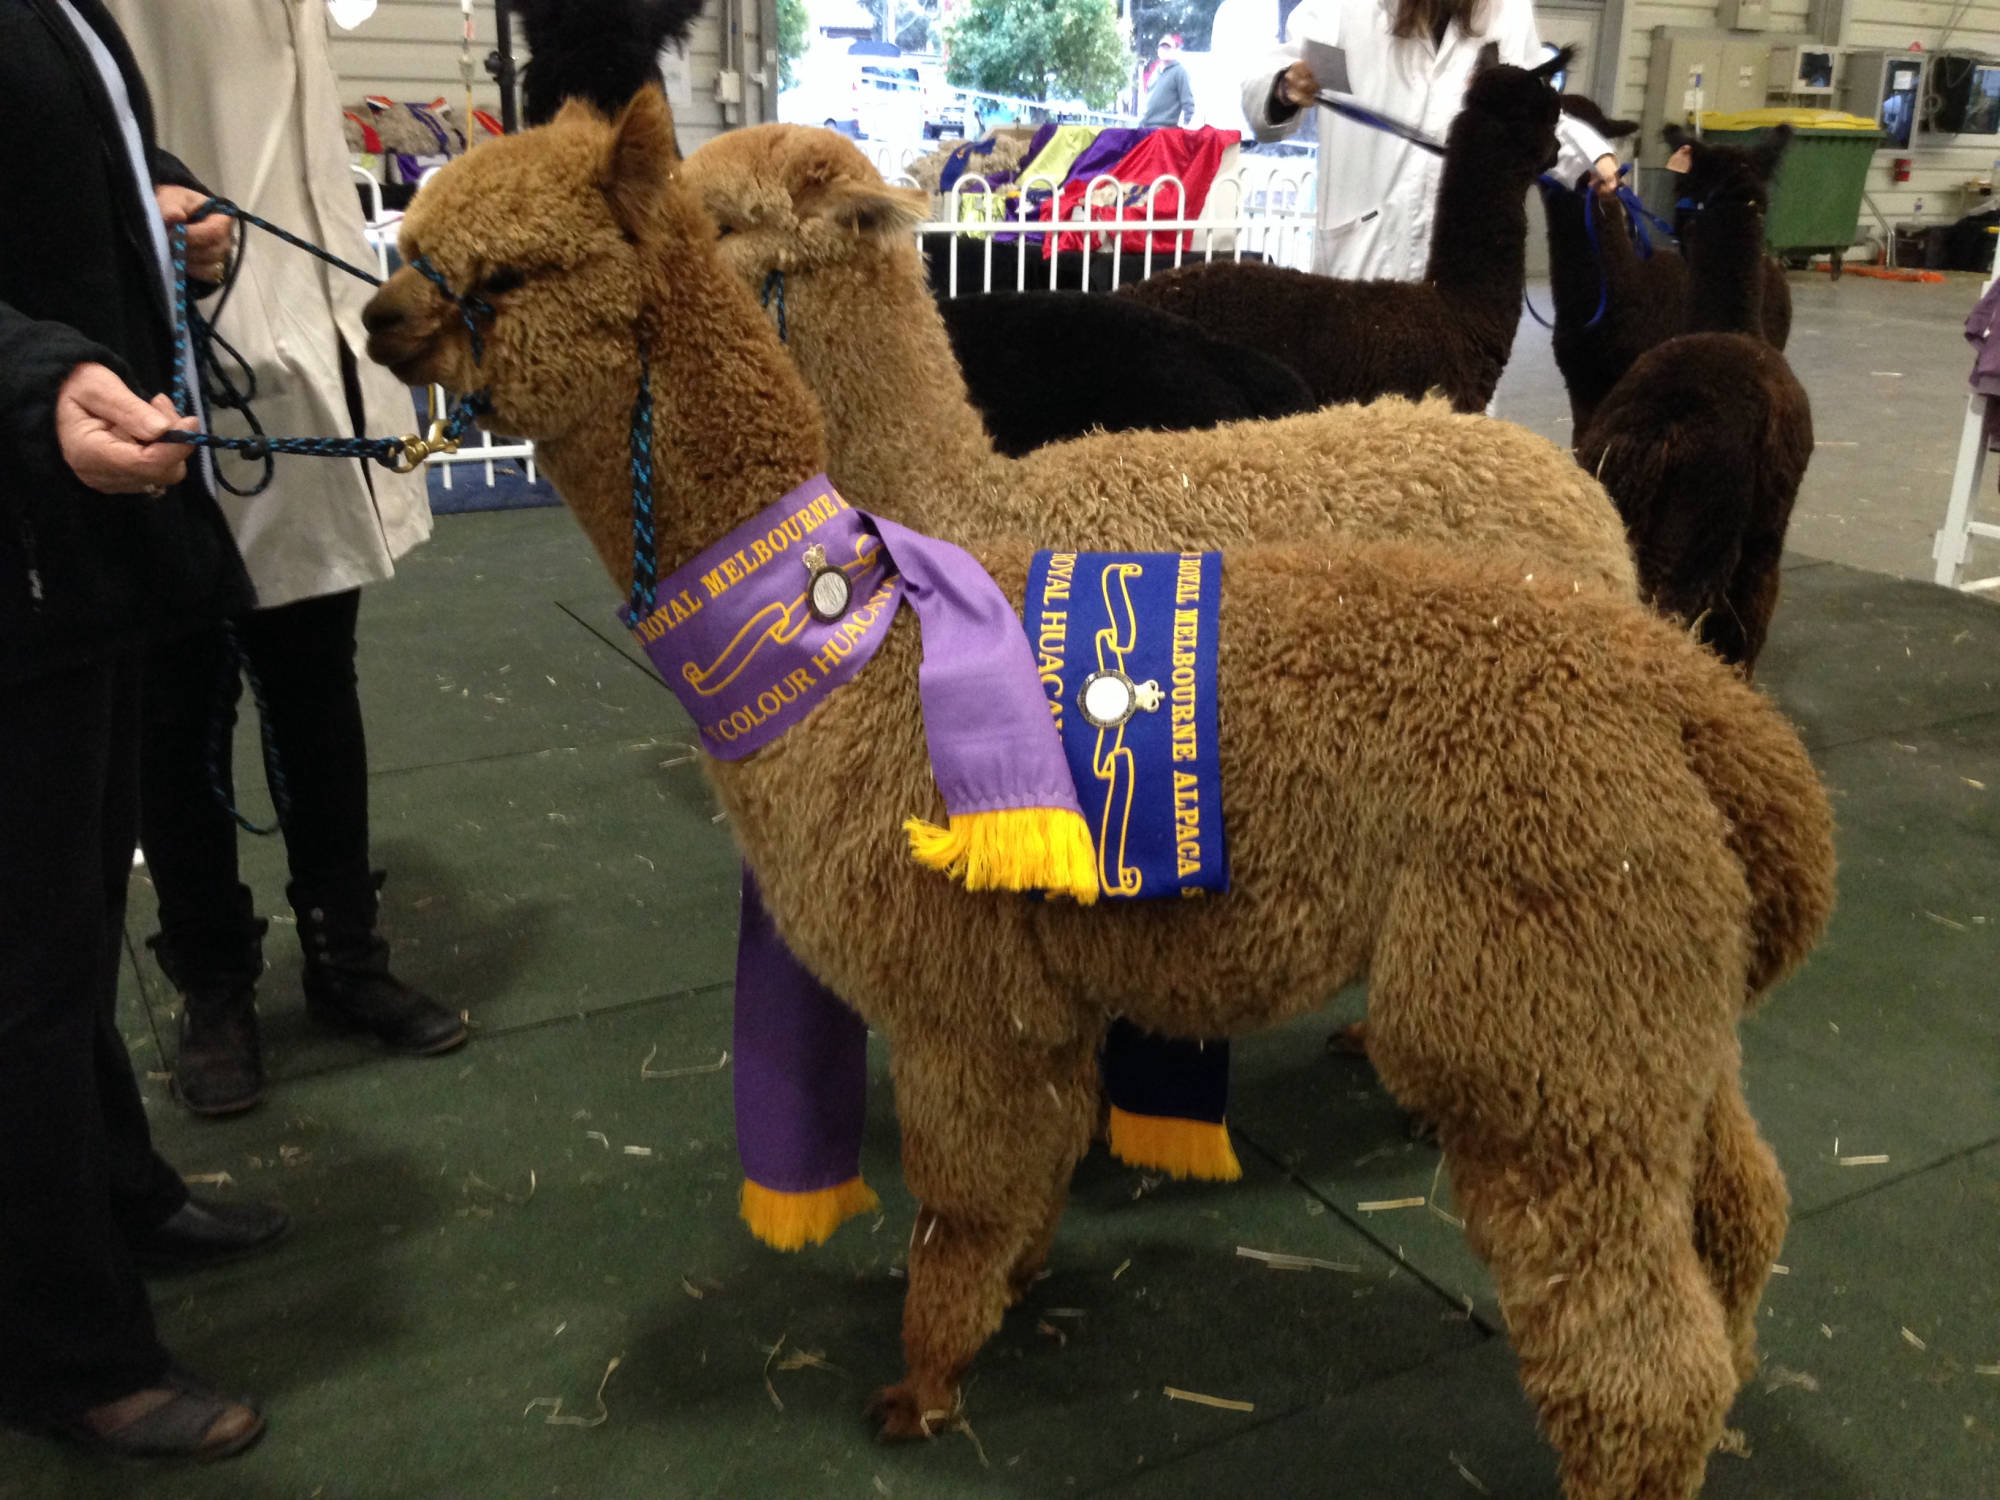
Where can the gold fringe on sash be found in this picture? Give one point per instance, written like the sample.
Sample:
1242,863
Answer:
1014,849
1180,1148
791,1221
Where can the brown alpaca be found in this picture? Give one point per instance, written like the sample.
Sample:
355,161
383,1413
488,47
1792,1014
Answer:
1498,799
1704,442
868,341
1611,303
1356,340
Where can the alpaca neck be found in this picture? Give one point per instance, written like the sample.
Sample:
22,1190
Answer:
733,428
1479,240
900,428
1725,257
1575,276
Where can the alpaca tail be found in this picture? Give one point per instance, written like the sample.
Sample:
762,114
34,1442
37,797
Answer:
1780,821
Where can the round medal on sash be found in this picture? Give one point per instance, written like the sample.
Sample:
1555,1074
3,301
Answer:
1108,699
829,592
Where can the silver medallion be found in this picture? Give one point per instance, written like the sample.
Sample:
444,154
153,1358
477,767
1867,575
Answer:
1108,699
829,592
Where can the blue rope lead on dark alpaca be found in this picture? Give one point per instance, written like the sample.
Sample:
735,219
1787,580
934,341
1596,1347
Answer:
645,558
1590,224
1383,123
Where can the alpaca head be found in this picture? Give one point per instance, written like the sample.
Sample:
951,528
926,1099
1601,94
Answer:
1727,176
793,199
1509,118
546,240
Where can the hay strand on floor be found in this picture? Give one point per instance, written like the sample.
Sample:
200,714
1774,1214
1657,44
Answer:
556,1418
1221,1403
1278,1261
647,1070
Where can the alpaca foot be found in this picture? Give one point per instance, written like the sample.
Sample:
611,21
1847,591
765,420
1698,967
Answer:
903,1411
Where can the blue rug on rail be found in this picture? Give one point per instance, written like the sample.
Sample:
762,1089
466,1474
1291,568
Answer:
469,490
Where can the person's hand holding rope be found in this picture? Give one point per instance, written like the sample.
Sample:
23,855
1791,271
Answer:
111,439
1296,86
208,239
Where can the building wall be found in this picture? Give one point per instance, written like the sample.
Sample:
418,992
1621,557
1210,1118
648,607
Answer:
410,50
1938,171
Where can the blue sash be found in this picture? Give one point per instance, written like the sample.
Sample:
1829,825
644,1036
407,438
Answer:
1125,643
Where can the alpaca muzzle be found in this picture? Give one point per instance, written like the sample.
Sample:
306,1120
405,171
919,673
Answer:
407,324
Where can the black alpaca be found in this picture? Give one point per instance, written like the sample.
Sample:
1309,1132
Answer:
603,51
1611,303
1356,340
1044,366
1703,444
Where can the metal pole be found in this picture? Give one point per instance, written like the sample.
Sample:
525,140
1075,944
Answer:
500,65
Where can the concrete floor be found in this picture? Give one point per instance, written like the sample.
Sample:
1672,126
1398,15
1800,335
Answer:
481,1236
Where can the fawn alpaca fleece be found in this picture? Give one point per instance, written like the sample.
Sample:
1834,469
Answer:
1500,800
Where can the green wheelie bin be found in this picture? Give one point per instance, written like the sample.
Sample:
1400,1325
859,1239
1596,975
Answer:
1816,199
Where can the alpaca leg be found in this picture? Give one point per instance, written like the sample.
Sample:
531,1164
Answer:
1029,1264
990,1136
1620,1334
1739,1215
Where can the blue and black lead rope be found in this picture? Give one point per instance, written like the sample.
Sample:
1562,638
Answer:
221,391
645,558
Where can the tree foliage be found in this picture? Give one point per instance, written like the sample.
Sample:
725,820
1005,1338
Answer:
793,23
1038,49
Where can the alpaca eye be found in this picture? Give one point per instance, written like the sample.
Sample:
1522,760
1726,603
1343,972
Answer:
502,281
724,231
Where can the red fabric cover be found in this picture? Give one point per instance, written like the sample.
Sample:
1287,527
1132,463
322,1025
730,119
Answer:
1194,156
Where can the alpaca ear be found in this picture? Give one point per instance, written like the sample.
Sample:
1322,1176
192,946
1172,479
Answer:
1559,63
640,159
873,210
1766,154
1489,57
575,111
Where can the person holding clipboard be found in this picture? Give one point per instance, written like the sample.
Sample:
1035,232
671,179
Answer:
1410,61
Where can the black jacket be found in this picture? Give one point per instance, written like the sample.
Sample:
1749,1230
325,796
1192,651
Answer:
81,571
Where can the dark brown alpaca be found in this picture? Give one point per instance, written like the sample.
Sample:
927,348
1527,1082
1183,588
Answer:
1702,445
1612,304
1356,340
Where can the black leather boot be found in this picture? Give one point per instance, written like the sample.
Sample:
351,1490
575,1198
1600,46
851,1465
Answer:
347,980
218,1068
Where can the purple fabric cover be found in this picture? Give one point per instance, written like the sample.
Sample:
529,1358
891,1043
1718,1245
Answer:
801,1065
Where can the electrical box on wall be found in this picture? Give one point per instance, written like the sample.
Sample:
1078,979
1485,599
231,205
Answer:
1801,69
1961,96
1746,15
1888,88
1692,70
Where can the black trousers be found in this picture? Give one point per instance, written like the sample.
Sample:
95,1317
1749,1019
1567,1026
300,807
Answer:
78,1172
302,658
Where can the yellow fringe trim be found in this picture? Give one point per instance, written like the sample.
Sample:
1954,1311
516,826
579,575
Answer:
1180,1148
791,1221
1015,849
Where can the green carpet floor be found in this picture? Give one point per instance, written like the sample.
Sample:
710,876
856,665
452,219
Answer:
481,1236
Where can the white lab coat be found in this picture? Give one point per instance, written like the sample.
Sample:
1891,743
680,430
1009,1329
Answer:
244,93
1378,192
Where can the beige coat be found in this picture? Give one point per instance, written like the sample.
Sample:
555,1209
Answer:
245,95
